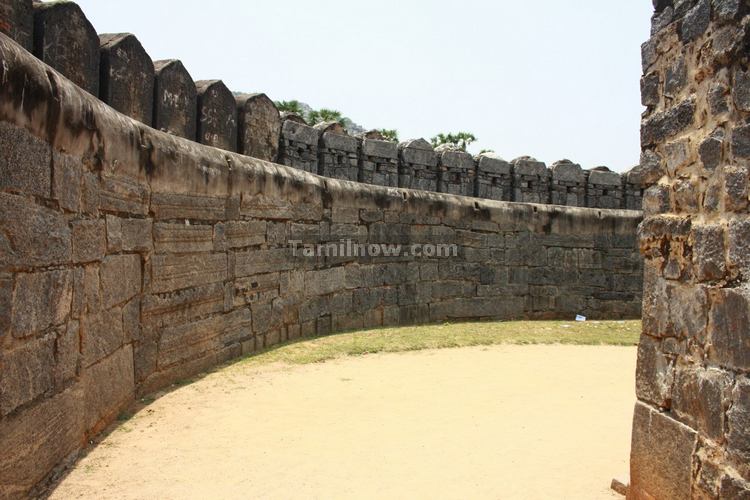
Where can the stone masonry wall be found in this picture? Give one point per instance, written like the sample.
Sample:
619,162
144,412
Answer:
131,258
378,163
456,172
338,156
691,426
298,146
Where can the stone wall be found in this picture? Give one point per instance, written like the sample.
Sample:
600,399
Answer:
298,146
691,427
378,163
117,69
131,258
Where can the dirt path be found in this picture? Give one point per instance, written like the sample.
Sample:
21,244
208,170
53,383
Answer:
485,422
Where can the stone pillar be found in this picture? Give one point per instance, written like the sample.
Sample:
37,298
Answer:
691,426
378,162
175,99
127,76
456,171
604,189
568,185
417,166
494,178
259,126
217,115
17,21
298,147
66,40
530,180
338,154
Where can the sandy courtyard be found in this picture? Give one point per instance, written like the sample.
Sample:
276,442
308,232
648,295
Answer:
481,422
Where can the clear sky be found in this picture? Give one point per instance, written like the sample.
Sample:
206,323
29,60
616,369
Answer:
551,79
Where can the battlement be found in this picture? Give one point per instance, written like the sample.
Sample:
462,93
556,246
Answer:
117,69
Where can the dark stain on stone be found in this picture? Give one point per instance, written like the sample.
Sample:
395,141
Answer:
438,207
551,217
382,200
86,125
279,179
327,196
97,145
30,94
665,247
481,213
146,154
259,180
54,106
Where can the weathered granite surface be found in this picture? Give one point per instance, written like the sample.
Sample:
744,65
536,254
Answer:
66,40
17,21
175,99
259,125
217,115
691,427
126,76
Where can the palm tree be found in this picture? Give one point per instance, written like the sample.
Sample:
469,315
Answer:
326,115
461,140
389,134
289,107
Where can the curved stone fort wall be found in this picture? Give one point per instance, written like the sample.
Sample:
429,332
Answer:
131,258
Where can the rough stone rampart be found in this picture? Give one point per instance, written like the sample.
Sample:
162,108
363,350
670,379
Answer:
691,426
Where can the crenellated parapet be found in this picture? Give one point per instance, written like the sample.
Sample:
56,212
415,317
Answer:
217,115
378,162
338,153
298,146
568,184
456,171
117,69
494,178
127,76
175,99
418,165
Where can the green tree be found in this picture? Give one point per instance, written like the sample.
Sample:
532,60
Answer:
289,107
325,115
461,140
389,134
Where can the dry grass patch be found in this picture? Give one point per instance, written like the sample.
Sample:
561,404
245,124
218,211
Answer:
450,335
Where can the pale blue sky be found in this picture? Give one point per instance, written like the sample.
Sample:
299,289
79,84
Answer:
549,78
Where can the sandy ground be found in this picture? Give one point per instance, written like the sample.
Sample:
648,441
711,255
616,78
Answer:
486,422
